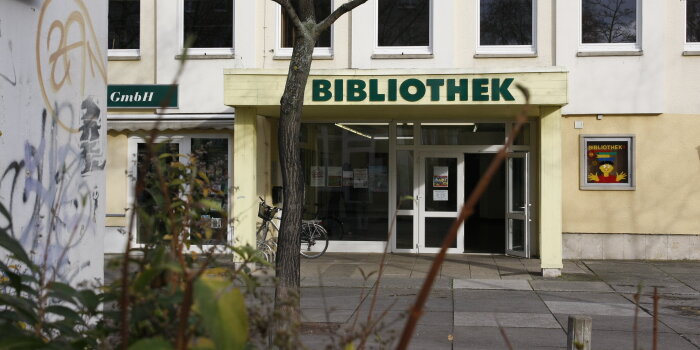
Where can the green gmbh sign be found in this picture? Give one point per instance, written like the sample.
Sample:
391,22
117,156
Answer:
142,96
411,90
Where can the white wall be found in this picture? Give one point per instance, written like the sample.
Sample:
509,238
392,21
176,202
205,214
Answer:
52,132
613,84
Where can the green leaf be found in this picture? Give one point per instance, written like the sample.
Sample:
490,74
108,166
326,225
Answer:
15,248
63,291
151,344
145,278
67,313
210,204
222,308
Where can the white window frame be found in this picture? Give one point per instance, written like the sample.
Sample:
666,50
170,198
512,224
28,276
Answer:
202,52
506,50
185,142
391,51
688,47
611,48
286,52
126,54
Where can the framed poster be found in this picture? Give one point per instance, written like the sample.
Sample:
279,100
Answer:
607,162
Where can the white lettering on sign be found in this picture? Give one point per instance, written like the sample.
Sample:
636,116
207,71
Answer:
117,96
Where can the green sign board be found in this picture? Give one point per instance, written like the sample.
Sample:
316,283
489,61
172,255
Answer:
142,96
411,90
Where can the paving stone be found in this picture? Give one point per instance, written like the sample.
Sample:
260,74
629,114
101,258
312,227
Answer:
498,301
570,286
489,338
515,320
491,284
693,338
618,323
321,315
590,297
602,309
663,288
616,340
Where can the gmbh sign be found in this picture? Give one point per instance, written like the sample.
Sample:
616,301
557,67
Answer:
142,96
412,90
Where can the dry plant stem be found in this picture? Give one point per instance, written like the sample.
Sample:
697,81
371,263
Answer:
467,210
636,317
139,187
504,335
655,332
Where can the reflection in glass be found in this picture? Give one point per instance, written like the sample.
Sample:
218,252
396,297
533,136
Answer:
441,184
212,160
404,180
404,23
124,24
692,20
210,22
404,232
463,134
609,21
149,227
436,229
346,176
404,134
505,22
517,177
517,234
322,8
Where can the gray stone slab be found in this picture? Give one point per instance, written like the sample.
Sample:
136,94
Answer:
570,286
490,338
601,309
321,315
498,301
693,338
616,340
505,319
662,287
618,323
591,297
491,284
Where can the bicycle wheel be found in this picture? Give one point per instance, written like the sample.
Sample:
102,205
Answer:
314,240
334,227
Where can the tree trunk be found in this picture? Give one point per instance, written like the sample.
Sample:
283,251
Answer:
288,245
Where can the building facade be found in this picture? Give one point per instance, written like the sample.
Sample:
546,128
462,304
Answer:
406,104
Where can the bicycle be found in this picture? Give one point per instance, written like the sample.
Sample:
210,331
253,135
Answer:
312,233
333,225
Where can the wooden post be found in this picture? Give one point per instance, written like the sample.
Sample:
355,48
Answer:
579,334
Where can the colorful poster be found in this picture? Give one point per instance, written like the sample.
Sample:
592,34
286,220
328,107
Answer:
440,195
335,176
318,176
347,178
607,162
360,178
440,176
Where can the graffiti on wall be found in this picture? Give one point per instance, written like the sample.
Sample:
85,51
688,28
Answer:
51,168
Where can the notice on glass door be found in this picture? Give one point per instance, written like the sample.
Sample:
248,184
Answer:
440,176
360,178
440,195
335,176
318,176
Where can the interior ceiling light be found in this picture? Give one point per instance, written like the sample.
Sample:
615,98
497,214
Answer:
353,130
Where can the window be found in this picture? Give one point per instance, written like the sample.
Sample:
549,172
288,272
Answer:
213,159
506,27
403,27
610,25
124,21
692,25
210,24
287,32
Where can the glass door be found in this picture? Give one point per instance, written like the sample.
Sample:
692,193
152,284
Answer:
440,198
518,206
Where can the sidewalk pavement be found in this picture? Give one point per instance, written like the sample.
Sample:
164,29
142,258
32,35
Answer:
474,294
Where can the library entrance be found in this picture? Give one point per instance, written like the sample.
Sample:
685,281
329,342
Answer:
445,177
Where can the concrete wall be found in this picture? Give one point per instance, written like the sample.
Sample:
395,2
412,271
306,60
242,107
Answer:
667,195
52,131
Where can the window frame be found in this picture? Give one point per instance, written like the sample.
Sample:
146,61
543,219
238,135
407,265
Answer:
286,52
692,47
612,49
506,50
204,52
125,54
403,51
184,140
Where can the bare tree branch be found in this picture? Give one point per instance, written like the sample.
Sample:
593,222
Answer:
292,14
343,9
